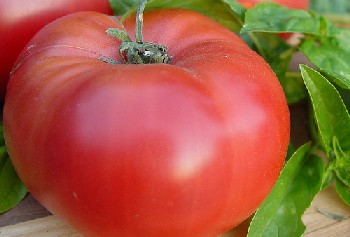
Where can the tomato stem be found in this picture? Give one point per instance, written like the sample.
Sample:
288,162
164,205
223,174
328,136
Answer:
139,52
139,21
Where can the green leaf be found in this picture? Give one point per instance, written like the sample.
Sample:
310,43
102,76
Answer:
338,11
119,34
12,189
345,95
332,118
299,182
272,17
217,10
120,7
341,163
343,191
328,175
330,6
329,58
293,87
340,37
271,47
237,8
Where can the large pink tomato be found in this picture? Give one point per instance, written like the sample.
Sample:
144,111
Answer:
186,147
21,19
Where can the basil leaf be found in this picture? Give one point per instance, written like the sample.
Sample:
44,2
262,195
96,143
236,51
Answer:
340,37
345,95
299,182
331,115
293,87
120,7
278,54
331,59
237,8
341,163
12,189
343,191
272,17
330,6
217,10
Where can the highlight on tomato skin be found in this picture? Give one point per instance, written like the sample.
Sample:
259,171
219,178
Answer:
21,19
190,148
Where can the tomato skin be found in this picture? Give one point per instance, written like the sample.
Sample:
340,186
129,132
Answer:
297,4
186,149
21,19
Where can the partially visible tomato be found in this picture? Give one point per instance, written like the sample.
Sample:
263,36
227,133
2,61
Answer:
297,4
21,19
190,148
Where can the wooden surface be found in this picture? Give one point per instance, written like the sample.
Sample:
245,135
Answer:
318,221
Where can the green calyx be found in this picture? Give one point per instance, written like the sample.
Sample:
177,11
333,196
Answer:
139,52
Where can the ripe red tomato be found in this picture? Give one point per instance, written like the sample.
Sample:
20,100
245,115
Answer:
298,4
190,148
21,19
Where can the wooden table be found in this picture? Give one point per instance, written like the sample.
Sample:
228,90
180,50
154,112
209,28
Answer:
30,219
